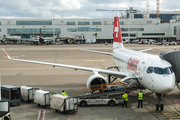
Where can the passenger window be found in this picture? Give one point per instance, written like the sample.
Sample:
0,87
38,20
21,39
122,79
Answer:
150,70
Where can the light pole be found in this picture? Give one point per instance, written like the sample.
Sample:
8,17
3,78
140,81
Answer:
53,23
53,13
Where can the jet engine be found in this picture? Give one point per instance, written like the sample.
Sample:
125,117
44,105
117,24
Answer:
94,80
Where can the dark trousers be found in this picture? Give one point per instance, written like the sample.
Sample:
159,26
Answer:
124,103
140,102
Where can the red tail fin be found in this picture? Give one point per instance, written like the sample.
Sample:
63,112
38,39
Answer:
117,42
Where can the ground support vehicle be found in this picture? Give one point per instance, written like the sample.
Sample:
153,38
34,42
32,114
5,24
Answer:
64,104
42,98
112,95
11,93
27,93
99,101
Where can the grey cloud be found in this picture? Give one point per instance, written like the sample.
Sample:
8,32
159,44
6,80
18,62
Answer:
42,8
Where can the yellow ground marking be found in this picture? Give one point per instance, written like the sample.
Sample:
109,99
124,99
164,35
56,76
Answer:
175,110
163,114
12,57
100,65
37,47
94,60
15,56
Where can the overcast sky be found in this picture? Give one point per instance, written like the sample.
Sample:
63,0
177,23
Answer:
76,8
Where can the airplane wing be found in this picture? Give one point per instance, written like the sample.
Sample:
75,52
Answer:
97,52
94,70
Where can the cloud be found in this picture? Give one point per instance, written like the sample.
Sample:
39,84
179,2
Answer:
75,8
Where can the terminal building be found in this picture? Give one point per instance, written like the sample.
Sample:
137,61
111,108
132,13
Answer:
100,30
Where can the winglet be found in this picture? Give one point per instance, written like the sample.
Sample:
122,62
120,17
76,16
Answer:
6,54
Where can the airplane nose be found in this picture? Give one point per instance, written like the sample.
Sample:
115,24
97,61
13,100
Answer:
164,84
168,85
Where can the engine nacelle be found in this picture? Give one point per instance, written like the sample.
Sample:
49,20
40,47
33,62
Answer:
178,85
95,79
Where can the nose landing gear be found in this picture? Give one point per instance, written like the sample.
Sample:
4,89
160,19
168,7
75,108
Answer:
159,105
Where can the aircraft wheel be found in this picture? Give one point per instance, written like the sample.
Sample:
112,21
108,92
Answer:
83,103
162,107
157,107
111,103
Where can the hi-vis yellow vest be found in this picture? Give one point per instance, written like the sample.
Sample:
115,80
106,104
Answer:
125,97
140,96
63,93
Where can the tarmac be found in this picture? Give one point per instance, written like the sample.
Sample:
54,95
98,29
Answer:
57,79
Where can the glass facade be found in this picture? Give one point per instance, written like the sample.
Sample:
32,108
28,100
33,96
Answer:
0,29
96,23
163,17
70,23
132,29
147,34
83,29
175,30
138,15
34,31
0,23
136,29
121,23
124,29
132,35
83,23
124,34
33,22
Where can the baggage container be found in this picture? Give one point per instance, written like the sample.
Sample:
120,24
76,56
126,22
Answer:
61,103
42,98
27,93
11,93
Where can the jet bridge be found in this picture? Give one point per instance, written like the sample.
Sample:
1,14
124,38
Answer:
173,57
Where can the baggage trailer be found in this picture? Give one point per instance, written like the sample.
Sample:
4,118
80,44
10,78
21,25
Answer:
64,104
27,93
11,93
42,98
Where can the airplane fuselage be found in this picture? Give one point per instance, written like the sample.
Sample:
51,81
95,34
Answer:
151,71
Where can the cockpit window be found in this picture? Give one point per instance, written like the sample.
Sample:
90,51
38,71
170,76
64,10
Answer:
167,71
171,69
158,70
150,70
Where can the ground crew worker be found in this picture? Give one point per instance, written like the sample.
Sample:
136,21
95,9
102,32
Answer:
140,96
63,93
125,99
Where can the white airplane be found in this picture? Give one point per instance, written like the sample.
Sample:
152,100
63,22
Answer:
137,68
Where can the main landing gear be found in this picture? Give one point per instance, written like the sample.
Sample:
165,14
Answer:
159,106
